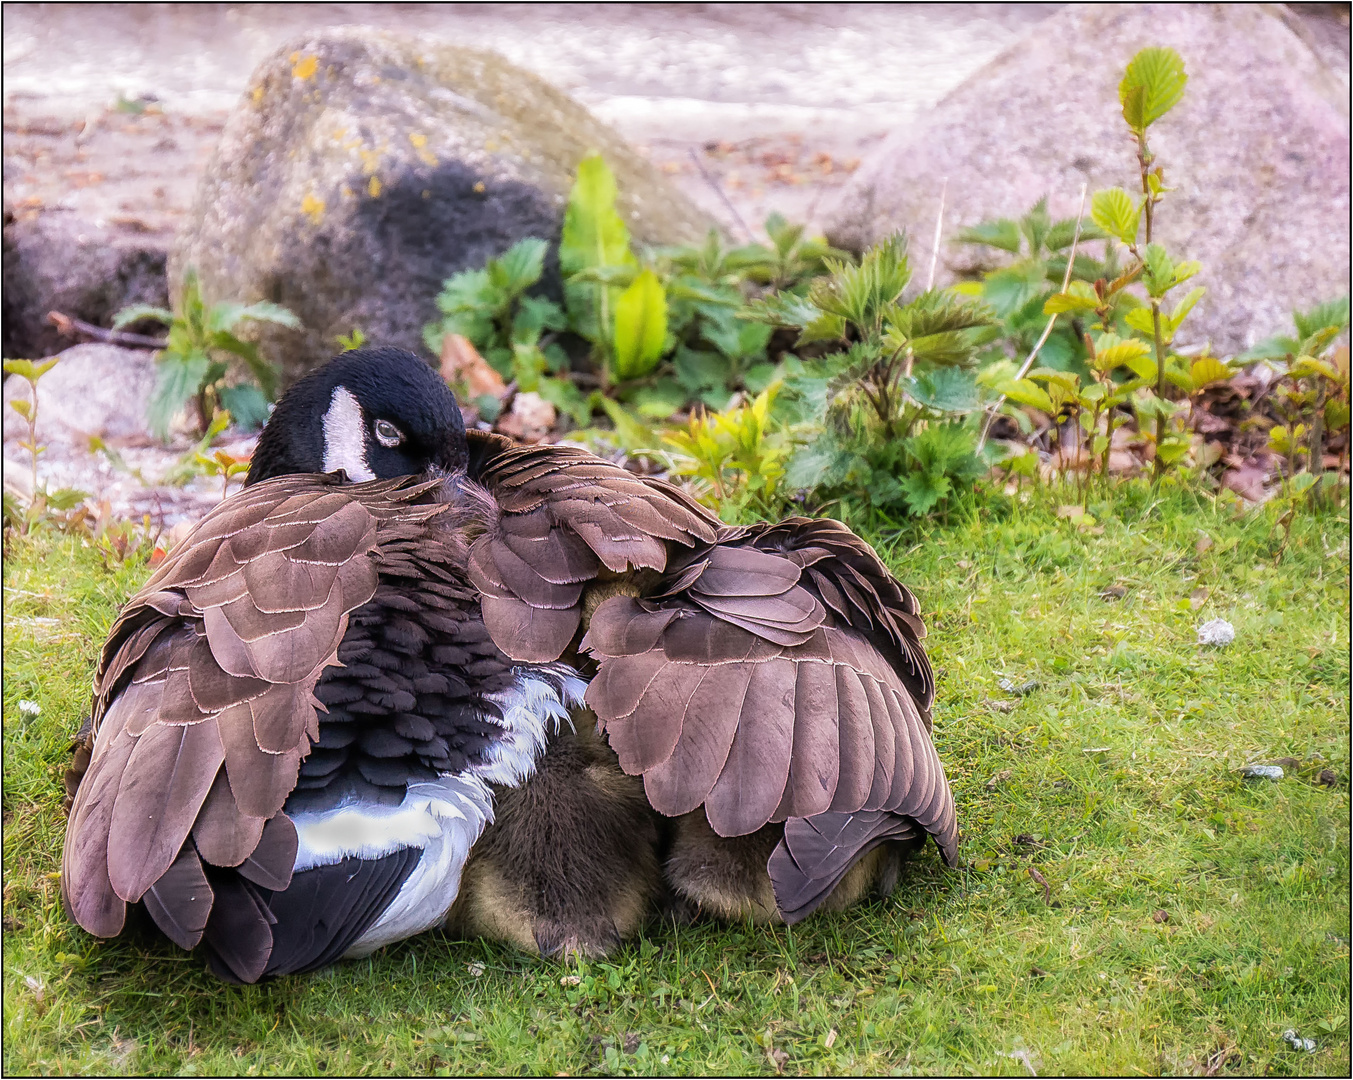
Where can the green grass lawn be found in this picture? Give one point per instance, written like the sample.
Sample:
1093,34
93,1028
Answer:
1194,915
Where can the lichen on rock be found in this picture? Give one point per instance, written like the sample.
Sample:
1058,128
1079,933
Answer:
349,188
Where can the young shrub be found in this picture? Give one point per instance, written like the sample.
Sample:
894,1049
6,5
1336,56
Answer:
194,364
889,406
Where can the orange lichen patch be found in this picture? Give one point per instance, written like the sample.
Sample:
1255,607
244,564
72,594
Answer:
313,208
373,187
257,93
303,67
479,187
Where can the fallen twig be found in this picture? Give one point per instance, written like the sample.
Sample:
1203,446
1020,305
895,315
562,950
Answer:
71,327
1052,319
719,191
935,246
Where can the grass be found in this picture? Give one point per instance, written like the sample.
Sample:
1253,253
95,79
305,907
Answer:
1194,917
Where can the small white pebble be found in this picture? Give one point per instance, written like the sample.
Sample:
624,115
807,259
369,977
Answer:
1297,1042
1216,632
30,708
1262,772
476,969
570,980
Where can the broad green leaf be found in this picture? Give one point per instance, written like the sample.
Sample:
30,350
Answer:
660,400
947,390
640,327
594,234
1152,85
177,380
1316,342
697,370
1079,296
23,407
1140,319
246,404
1182,309
1112,351
759,377
1027,392
137,312
935,312
1001,233
951,348
1115,211
1143,365
781,309
824,328
1310,365
519,267
1207,370
266,311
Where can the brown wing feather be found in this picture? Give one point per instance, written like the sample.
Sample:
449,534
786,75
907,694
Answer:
204,700
561,514
834,715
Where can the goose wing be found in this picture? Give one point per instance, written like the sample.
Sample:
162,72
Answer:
778,674
204,706
561,519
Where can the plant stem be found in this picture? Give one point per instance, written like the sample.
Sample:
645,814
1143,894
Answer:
1029,360
1159,466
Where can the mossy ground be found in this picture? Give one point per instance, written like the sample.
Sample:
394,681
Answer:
957,972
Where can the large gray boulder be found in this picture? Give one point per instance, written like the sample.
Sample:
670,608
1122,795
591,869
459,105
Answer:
1258,151
362,168
87,268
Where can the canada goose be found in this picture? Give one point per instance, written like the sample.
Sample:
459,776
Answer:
298,719
445,614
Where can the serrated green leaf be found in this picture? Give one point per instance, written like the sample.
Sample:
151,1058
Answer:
267,311
136,312
1112,351
246,404
640,327
633,433
1158,271
519,267
1331,313
1115,211
1207,370
1140,319
1152,85
1060,236
177,380
946,389
1079,296
1181,310
1001,233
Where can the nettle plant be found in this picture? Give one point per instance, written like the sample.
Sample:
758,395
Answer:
196,362
649,332
61,507
890,408
1126,360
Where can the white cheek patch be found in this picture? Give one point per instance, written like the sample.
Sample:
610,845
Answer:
344,440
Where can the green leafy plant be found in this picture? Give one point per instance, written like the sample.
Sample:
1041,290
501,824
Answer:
195,363
739,455
515,332
63,507
1125,361
888,403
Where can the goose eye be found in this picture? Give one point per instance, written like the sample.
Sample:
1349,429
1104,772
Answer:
388,434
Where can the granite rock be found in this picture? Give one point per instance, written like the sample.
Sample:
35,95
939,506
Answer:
1258,151
361,168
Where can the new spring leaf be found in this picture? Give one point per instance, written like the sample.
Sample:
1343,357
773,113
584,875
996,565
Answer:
640,327
1152,85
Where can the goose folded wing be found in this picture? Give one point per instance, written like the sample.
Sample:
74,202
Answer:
563,517
742,694
204,701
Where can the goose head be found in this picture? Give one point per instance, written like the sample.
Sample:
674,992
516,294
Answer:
374,413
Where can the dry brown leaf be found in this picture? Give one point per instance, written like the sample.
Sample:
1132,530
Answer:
530,419
461,362
1199,596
